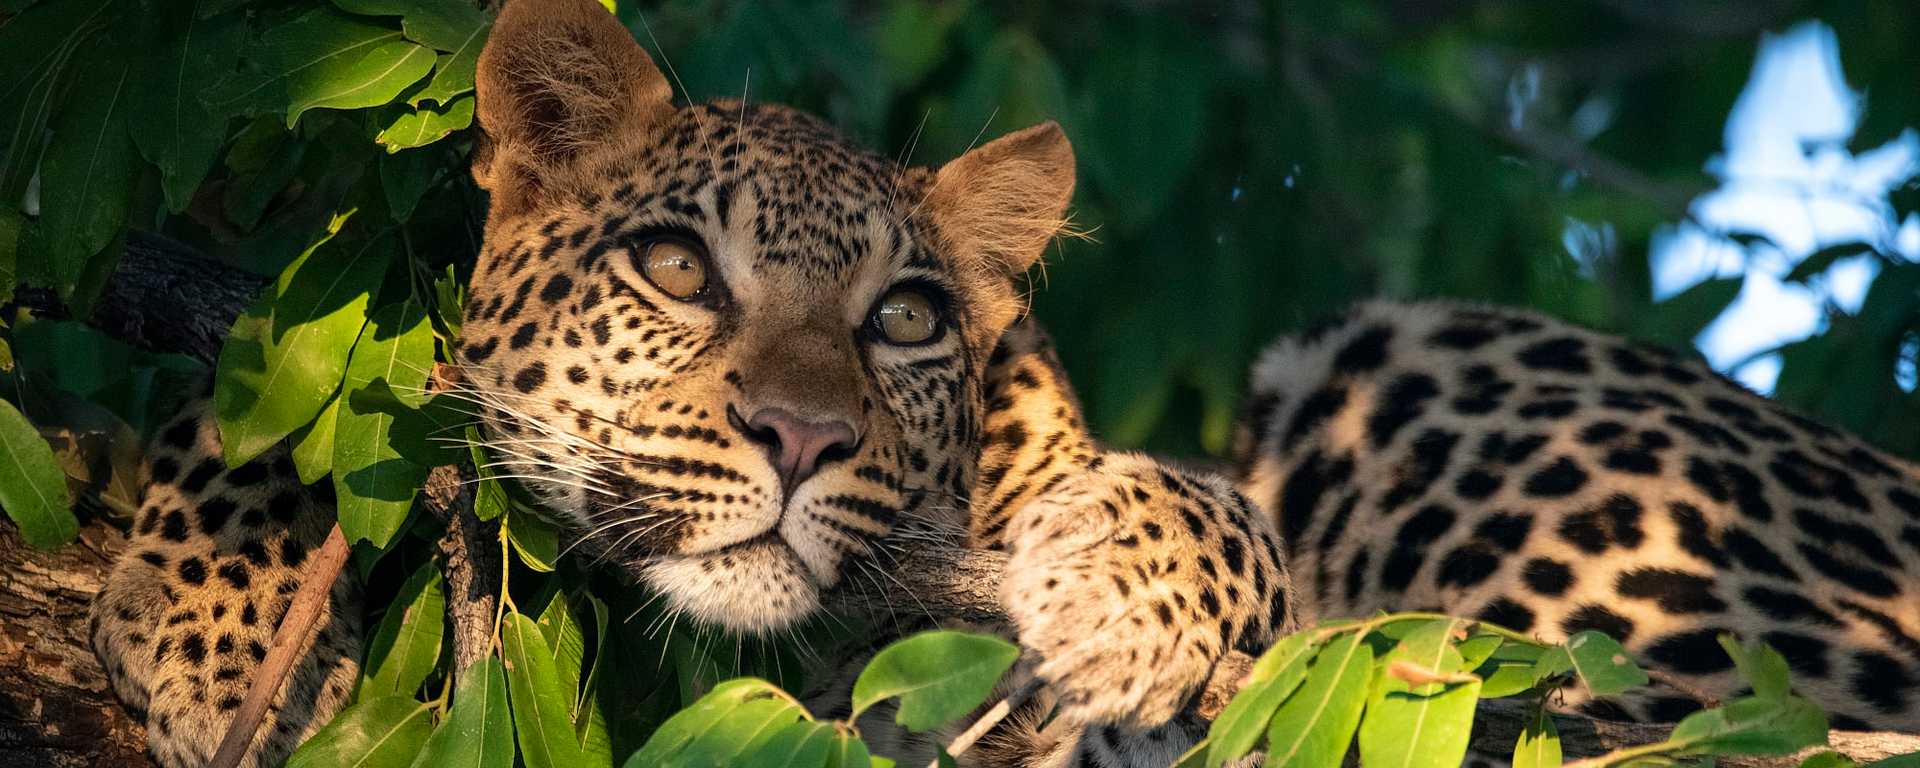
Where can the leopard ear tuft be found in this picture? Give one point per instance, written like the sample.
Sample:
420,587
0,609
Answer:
557,79
1001,204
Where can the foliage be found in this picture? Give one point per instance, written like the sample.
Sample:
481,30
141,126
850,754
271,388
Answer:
1246,170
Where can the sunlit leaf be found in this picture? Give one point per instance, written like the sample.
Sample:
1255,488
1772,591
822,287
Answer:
938,676
1316,725
1753,726
707,723
1275,675
1761,666
1539,743
427,125
286,355
406,645
323,58
375,484
478,731
1414,723
1603,665
539,699
382,732
32,489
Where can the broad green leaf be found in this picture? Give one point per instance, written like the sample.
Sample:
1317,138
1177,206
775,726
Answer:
1315,726
404,178
444,24
453,72
406,645
382,732
802,743
36,48
32,489
286,355
1501,679
1475,650
938,676
592,728
322,59
375,484
1274,676
846,751
1554,662
568,644
174,131
724,744
1753,726
1539,743
478,731
86,173
1603,665
1897,761
426,125
539,699
535,539
1412,723
1831,759
256,183
689,725
1762,667
313,445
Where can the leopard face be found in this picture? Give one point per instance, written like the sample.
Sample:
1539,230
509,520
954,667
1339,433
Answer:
731,350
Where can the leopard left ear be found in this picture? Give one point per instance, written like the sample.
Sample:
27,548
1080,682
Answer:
1000,204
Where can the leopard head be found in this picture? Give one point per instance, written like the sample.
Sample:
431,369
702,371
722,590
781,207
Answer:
731,351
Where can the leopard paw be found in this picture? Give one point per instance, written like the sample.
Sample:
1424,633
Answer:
1129,581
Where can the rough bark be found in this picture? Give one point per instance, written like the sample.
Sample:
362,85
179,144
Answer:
56,709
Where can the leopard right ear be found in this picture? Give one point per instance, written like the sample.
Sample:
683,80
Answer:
557,79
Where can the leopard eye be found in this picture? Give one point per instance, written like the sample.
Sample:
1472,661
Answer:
907,316
676,266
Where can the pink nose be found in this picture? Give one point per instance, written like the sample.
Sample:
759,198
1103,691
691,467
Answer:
799,447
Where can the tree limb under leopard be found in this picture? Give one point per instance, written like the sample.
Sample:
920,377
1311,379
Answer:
947,583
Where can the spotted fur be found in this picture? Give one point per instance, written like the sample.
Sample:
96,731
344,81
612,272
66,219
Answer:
1505,465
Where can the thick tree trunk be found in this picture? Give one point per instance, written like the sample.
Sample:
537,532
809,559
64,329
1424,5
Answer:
56,710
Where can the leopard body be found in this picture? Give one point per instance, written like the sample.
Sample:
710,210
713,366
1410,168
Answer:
1479,461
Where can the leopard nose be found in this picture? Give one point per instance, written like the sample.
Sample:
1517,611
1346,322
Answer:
797,446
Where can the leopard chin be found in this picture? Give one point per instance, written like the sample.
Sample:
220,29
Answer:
757,586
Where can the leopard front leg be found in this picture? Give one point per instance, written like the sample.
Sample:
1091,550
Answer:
1128,577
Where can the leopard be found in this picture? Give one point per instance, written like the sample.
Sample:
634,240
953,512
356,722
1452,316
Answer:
739,357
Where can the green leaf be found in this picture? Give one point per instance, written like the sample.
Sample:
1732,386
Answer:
286,355
405,177
36,48
1539,743
1762,667
406,646
1315,726
539,698
535,539
733,736
86,174
383,732
32,489
175,131
699,721
478,731
426,125
938,676
1274,676
1897,761
444,24
322,59
313,445
1425,724
1143,119
1603,665
846,751
1828,759
803,743
453,72
1753,726
375,484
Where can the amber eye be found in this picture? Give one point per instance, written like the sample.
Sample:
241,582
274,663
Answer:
675,266
907,317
